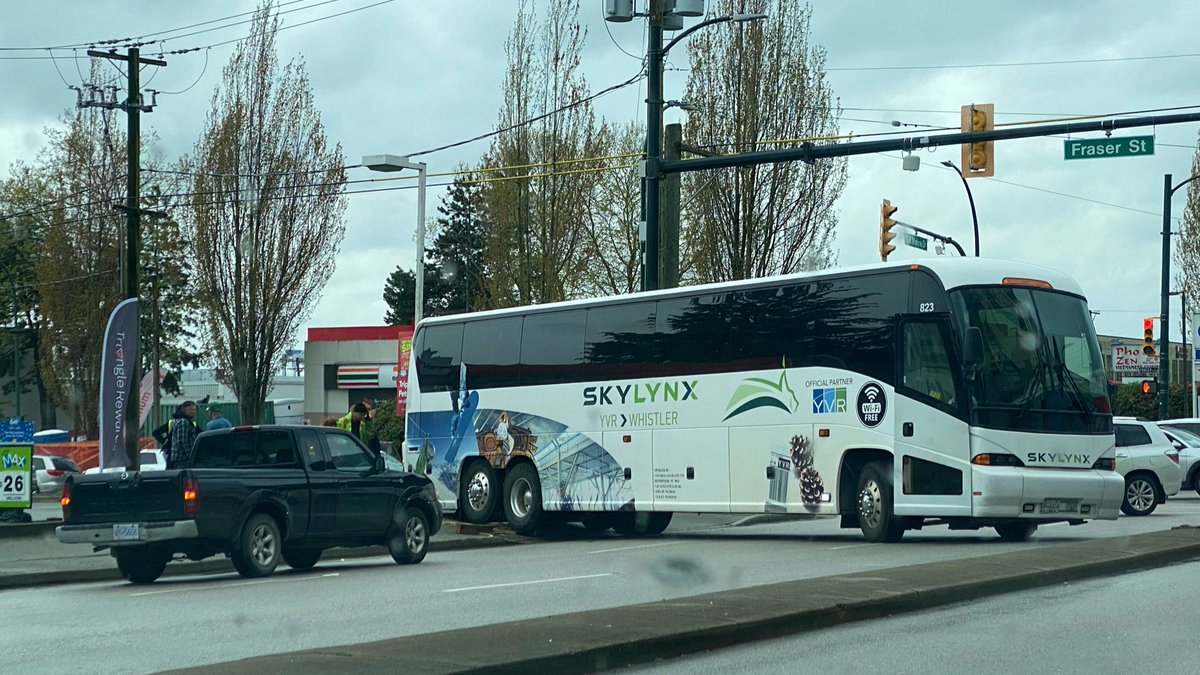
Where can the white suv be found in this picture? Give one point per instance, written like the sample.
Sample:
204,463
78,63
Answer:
1188,445
1149,462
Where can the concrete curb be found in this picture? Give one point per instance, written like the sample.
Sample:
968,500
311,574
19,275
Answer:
28,530
610,638
224,566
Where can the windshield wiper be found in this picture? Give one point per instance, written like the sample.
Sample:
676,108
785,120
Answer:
1065,374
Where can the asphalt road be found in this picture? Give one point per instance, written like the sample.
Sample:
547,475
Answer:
343,602
1137,623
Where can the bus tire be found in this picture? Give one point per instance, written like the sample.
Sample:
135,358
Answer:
479,493
1016,530
876,510
523,498
1141,494
641,523
596,523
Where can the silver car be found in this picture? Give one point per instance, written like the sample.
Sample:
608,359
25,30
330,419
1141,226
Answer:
50,472
1188,445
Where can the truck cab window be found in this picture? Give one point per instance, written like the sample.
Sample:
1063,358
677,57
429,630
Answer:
347,455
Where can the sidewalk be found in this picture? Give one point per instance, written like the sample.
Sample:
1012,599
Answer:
623,636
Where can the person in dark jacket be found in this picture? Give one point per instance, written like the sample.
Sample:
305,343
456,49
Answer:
183,436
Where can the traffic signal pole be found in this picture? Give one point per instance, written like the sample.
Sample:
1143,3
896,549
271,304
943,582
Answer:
1164,361
808,152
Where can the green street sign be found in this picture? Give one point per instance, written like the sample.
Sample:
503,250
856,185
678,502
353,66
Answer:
916,241
1095,148
16,476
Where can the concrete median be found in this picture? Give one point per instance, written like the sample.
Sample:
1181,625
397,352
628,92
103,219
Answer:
610,638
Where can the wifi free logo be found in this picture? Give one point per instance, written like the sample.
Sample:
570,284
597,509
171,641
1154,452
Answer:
871,405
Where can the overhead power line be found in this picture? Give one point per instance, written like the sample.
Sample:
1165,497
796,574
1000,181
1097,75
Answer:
1014,64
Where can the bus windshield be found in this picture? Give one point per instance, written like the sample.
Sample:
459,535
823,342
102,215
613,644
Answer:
1041,367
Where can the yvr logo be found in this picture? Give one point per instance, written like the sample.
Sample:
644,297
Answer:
756,392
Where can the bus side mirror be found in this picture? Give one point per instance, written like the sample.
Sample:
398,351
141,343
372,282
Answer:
973,348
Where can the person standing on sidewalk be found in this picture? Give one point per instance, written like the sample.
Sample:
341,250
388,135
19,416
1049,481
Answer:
183,436
358,423
215,419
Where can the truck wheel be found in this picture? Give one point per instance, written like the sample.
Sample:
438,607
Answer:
257,554
876,517
1016,530
523,498
479,493
140,565
410,537
301,558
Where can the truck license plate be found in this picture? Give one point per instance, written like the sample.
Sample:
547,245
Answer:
1059,506
125,532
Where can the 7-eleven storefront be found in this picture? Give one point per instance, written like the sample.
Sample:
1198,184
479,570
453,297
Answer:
345,365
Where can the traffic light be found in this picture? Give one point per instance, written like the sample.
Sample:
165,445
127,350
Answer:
977,158
1148,337
1149,387
886,223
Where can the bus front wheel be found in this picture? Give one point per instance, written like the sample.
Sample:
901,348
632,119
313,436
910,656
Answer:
876,517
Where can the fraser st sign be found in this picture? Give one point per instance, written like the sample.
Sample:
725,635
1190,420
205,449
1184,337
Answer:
1095,148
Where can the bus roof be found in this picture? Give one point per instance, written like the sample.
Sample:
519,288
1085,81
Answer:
954,272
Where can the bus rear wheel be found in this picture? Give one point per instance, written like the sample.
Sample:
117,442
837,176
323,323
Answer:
876,516
1016,530
523,498
641,523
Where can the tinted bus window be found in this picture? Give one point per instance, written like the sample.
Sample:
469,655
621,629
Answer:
766,329
439,354
693,335
851,323
492,352
552,347
619,341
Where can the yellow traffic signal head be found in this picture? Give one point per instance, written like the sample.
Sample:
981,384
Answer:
1148,337
886,223
977,158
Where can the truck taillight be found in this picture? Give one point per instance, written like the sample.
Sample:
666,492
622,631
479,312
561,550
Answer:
191,497
66,502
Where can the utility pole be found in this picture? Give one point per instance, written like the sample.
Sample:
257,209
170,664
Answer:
1164,359
654,111
133,107
669,240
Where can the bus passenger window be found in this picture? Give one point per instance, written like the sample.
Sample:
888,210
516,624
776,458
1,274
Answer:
926,367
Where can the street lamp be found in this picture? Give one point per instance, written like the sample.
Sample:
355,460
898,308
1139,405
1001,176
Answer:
655,55
1164,369
389,163
971,199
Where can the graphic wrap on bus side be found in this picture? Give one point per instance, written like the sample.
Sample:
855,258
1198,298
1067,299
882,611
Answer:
697,443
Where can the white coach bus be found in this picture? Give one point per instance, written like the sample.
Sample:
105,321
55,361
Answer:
962,391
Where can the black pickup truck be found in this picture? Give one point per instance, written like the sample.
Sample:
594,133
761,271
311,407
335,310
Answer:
256,494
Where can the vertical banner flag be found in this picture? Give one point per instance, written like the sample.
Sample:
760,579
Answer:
146,393
402,377
118,367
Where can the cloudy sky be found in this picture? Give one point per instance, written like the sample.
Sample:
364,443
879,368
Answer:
403,76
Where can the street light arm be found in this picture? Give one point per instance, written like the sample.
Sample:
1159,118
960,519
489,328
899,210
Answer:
1193,178
693,29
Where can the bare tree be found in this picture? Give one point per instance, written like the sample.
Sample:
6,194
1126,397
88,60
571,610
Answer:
756,82
266,216
77,271
535,213
612,216
1187,248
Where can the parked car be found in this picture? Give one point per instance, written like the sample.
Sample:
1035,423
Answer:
1191,424
50,472
258,495
1188,445
1149,462
148,460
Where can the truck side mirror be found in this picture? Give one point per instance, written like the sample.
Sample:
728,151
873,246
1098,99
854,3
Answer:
380,464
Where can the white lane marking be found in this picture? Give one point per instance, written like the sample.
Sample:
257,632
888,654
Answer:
229,585
630,548
525,583
839,548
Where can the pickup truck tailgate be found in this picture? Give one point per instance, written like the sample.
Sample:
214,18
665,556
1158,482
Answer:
112,498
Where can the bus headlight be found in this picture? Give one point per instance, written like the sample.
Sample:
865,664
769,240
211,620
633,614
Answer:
996,459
